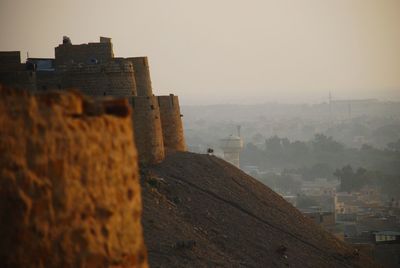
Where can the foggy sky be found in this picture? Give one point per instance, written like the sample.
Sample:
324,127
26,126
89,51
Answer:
229,51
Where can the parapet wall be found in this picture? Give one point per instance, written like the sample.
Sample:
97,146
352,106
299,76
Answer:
69,183
148,131
67,54
171,122
93,70
142,75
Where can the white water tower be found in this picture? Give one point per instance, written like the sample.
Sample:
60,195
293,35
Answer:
232,146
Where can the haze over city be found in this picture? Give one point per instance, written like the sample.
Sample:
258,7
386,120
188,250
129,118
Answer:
230,51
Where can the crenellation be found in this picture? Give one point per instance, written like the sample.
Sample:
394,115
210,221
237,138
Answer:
85,53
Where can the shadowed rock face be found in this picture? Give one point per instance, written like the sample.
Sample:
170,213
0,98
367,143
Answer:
69,184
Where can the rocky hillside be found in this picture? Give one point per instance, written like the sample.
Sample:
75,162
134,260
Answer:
200,211
69,182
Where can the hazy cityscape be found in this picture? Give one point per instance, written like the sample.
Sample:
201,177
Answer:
337,161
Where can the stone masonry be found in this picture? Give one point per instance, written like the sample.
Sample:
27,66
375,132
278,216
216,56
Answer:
69,182
93,69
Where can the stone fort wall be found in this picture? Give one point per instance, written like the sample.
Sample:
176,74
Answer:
148,130
171,123
19,79
67,54
10,61
69,185
93,69
15,74
142,75
115,78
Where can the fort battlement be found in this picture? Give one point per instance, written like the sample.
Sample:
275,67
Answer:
14,73
68,53
93,69
171,123
70,182
142,75
148,129
11,61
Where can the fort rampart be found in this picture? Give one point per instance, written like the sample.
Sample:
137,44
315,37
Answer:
69,184
148,130
93,69
142,75
171,123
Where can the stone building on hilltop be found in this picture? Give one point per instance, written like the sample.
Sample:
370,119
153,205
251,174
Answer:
93,69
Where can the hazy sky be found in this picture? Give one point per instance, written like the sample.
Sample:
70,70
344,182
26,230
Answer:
229,51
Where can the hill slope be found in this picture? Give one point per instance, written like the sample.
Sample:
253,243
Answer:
201,211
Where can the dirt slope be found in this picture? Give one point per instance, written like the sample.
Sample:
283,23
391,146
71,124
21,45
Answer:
200,211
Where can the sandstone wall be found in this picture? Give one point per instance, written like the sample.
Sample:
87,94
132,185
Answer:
171,123
148,132
48,80
66,54
115,78
10,57
19,79
13,73
69,185
142,75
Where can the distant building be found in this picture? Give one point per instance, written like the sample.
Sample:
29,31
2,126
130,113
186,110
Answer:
292,199
232,146
383,246
387,237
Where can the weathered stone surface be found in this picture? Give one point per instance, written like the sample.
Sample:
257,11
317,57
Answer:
148,130
93,69
69,185
171,123
142,75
